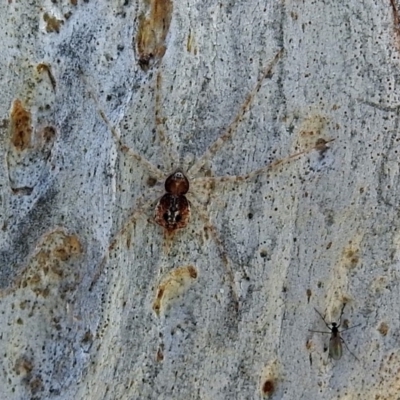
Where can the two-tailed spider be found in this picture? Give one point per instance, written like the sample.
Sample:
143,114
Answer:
173,210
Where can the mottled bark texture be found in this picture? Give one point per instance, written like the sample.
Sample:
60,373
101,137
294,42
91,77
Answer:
101,101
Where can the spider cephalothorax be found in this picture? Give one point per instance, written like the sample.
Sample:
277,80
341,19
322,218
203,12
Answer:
173,209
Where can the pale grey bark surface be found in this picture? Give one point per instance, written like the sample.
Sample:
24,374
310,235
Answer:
317,232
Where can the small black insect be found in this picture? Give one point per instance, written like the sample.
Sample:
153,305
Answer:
335,342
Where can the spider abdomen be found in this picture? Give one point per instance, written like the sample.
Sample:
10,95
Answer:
172,211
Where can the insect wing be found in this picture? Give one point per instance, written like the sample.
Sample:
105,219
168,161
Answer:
335,347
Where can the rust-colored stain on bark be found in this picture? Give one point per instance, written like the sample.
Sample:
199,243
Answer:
268,387
46,68
23,366
52,23
20,126
48,271
312,127
396,23
311,133
383,328
47,134
153,29
173,285
160,355
191,43
269,379
351,255
36,384
69,247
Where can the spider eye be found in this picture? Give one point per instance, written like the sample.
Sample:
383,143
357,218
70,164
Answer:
178,218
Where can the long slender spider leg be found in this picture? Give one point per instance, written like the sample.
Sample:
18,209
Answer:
117,138
310,330
224,256
137,213
347,347
259,171
230,130
168,151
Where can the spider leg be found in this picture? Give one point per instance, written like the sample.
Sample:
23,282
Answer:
169,154
131,219
323,319
259,171
227,262
117,137
231,129
347,347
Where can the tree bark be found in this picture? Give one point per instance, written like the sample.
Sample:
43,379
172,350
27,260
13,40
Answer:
101,102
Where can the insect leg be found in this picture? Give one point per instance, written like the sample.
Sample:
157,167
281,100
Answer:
323,319
347,347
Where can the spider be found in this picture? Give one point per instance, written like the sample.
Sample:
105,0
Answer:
173,209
